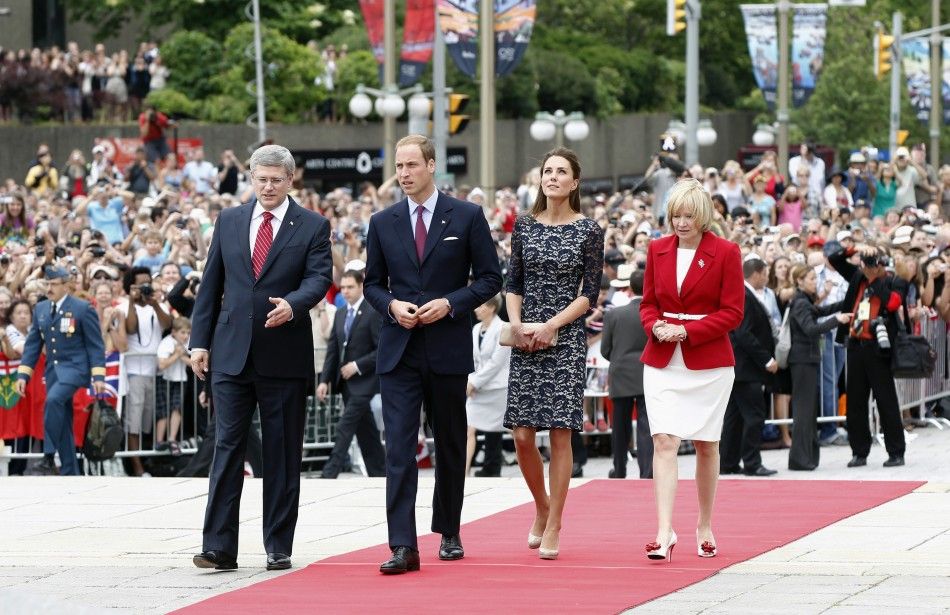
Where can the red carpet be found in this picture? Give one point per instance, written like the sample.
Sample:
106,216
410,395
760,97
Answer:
601,568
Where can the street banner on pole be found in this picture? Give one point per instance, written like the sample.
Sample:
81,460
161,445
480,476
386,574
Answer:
763,47
915,62
373,15
945,88
417,41
514,22
808,49
458,20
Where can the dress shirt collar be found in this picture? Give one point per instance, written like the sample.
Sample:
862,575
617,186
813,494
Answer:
356,306
279,212
429,204
759,294
59,304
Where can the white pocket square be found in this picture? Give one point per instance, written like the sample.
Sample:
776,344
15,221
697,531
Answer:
449,238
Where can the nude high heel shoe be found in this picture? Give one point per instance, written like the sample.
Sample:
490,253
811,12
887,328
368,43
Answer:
548,553
533,541
662,552
705,548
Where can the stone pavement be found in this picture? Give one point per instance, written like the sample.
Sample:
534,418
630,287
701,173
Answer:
124,545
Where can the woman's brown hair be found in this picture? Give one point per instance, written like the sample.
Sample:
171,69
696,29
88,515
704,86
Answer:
541,203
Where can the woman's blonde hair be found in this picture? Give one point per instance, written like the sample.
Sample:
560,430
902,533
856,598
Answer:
689,196
798,273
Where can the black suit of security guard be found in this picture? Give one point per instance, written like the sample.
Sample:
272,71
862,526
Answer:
353,349
623,341
754,348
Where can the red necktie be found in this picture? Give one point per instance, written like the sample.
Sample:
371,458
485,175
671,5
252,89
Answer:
420,233
265,236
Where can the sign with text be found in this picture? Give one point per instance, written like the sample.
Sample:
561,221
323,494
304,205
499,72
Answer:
121,151
365,164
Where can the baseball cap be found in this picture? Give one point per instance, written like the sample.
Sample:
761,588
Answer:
111,272
902,152
857,158
628,218
842,235
355,265
791,238
815,241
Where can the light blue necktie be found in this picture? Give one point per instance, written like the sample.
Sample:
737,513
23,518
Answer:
348,323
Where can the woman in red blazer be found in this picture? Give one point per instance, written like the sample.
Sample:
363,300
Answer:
693,295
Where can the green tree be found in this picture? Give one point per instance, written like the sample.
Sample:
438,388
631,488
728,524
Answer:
195,57
358,67
289,74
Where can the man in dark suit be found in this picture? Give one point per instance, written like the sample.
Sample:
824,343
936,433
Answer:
623,341
68,328
421,253
268,264
754,347
350,368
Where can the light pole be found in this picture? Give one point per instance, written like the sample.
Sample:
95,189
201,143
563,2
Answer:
782,115
389,104
558,125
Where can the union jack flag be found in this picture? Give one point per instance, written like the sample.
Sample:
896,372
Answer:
112,378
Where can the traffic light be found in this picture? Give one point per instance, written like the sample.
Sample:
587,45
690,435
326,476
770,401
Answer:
883,53
675,17
457,121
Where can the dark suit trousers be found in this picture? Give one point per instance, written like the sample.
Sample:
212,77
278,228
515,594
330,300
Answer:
282,403
409,386
357,419
867,372
58,423
742,428
805,452
621,431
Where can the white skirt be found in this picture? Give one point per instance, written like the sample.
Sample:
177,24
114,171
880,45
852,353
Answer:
486,410
687,403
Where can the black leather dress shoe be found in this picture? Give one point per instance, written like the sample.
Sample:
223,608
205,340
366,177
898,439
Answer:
760,471
404,559
735,470
488,473
278,561
893,461
857,461
216,560
577,470
451,548
615,474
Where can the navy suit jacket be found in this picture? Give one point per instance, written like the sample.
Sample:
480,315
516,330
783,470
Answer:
360,348
458,244
231,306
74,347
752,342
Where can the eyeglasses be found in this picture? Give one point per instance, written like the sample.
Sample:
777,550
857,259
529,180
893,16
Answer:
273,181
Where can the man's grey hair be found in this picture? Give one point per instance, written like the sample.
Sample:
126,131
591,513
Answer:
273,156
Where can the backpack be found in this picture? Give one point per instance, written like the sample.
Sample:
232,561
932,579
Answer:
783,345
104,432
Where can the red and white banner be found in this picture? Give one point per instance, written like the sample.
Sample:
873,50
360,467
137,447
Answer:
417,41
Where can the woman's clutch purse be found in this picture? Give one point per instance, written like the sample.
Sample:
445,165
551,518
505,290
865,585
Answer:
508,338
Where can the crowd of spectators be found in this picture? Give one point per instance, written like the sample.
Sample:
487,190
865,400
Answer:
138,236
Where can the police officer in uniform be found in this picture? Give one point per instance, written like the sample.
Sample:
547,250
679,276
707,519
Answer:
69,328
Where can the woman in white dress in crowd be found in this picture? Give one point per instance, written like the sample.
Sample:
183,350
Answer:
487,387
693,295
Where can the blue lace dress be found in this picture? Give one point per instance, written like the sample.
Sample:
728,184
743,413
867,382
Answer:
550,267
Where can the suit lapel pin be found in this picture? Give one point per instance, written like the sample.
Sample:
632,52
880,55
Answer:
702,263
291,223
443,222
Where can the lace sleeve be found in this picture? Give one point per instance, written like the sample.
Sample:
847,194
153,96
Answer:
593,263
515,282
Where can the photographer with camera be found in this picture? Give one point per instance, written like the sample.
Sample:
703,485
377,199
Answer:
869,337
145,320
43,177
152,125
104,207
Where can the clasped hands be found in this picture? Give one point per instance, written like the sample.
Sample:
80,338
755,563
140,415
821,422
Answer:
409,315
666,332
537,337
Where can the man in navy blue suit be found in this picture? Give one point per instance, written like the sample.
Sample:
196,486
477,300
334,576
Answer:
421,254
268,264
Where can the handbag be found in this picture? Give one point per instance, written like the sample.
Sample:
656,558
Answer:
104,432
508,337
783,345
911,355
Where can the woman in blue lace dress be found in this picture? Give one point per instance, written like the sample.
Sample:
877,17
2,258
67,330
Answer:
557,257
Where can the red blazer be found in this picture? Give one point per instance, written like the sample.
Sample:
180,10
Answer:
713,286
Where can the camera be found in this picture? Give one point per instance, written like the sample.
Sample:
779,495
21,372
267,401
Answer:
193,285
59,252
97,235
97,251
39,242
146,290
880,332
4,259
876,260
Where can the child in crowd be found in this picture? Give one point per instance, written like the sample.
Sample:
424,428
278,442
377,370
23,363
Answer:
172,364
153,257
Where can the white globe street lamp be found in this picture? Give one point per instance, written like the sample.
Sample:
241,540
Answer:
764,136
705,133
558,126
419,106
542,130
360,105
576,130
